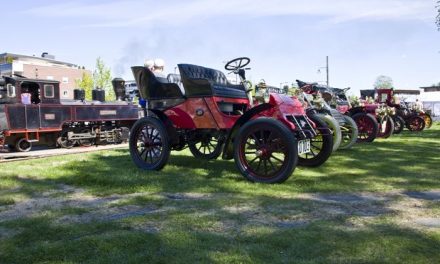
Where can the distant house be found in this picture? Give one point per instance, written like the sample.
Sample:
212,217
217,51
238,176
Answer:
431,100
44,67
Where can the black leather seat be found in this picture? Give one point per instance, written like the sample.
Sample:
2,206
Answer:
152,87
201,81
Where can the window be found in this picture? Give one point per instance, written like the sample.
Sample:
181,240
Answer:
49,91
11,90
65,80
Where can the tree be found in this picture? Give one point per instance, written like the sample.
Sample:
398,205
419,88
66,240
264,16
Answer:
86,83
102,78
438,15
383,82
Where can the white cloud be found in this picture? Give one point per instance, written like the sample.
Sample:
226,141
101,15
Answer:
145,13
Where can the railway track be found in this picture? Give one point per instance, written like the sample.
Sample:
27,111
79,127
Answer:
6,156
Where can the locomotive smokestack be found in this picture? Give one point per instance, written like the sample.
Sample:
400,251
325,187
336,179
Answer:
119,88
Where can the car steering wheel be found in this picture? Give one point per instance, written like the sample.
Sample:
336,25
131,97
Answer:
237,63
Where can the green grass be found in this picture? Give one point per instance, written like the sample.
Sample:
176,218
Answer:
206,212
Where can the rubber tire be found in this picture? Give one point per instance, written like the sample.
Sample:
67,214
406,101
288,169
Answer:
327,145
291,147
418,129
399,124
371,137
211,156
333,125
18,145
428,120
389,129
352,135
166,149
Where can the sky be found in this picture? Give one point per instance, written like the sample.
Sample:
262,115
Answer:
285,39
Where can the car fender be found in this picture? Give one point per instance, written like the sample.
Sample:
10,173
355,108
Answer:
172,133
248,115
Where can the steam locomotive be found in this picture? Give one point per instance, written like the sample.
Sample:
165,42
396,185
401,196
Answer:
31,112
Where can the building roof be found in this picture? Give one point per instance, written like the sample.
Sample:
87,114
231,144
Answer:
434,88
406,91
6,54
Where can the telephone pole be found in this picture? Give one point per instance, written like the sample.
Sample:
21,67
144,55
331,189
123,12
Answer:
328,84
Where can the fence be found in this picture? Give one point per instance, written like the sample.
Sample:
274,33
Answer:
435,109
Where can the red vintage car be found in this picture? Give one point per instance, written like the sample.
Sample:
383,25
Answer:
201,109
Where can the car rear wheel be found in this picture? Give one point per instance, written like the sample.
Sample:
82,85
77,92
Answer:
386,127
149,144
367,127
208,147
334,127
266,151
399,124
321,146
415,123
349,133
428,120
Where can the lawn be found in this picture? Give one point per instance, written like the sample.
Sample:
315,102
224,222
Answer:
375,203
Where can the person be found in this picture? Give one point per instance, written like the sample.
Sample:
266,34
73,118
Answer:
149,64
418,106
25,96
159,65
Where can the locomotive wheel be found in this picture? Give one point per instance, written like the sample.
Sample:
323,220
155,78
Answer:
321,146
85,142
209,147
334,127
415,123
428,120
386,127
64,142
149,144
23,145
349,133
367,127
399,124
265,151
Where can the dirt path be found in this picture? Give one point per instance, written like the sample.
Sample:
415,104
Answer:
419,210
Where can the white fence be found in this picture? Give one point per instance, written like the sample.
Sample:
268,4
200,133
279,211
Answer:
435,109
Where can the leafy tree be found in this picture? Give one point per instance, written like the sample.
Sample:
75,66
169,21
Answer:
102,78
438,15
86,83
383,82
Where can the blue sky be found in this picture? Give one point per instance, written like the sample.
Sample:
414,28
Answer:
286,39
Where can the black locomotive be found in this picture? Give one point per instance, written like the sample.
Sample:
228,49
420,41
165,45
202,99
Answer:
31,112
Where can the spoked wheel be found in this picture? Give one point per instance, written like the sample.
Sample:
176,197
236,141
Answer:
334,127
428,120
23,145
386,127
209,147
321,146
367,127
85,142
399,124
149,144
415,123
64,142
265,151
349,133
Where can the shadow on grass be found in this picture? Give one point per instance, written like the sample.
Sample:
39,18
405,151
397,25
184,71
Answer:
41,240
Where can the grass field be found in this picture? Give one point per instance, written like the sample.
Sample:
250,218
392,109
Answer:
375,203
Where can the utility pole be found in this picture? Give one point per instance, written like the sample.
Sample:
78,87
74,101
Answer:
328,84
